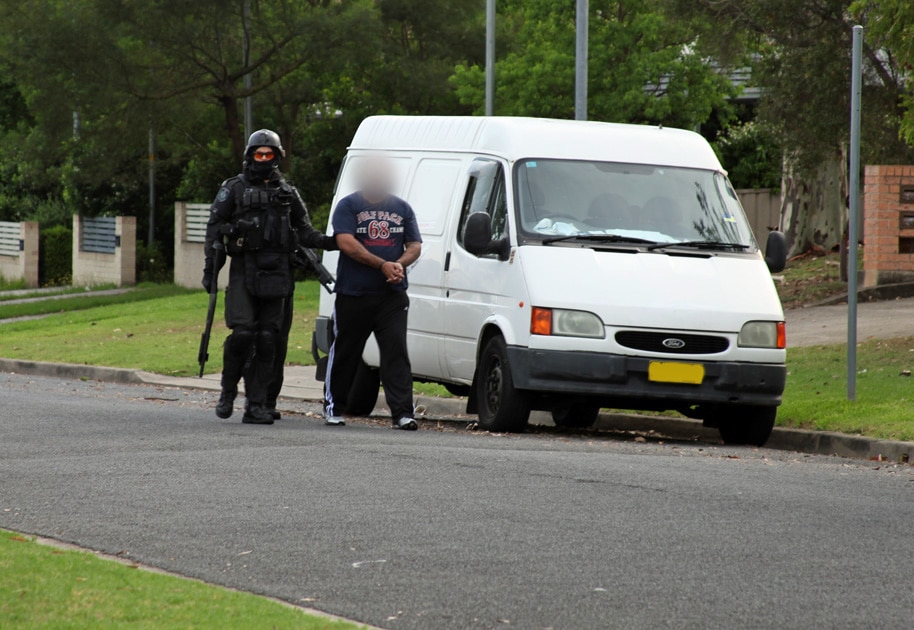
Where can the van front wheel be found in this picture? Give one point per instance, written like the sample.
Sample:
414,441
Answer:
747,425
501,406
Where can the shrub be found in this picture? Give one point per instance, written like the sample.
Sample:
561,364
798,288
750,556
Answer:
55,264
151,264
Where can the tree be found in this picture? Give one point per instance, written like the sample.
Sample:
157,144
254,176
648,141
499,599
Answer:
643,65
891,32
800,52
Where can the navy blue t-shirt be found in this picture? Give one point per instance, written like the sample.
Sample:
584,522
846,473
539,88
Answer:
383,229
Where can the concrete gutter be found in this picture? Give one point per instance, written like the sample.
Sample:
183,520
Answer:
302,389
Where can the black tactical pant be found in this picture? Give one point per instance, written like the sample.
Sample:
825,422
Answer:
279,358
354,319
255,324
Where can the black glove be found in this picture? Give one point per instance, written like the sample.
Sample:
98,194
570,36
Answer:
208,278
329,244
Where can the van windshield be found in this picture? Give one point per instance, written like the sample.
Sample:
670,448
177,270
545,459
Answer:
635,203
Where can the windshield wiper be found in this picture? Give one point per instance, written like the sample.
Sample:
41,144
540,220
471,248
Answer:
600,238
700,245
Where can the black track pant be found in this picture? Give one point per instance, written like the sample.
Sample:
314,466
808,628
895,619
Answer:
354,319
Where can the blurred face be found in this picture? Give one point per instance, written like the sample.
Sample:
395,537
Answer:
376,178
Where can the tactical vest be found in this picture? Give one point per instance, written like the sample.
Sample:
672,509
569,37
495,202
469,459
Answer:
264,237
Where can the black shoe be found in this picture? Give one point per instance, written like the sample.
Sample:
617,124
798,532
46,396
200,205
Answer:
226,404
274,412
257,414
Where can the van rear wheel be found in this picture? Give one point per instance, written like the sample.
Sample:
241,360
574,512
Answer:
576,415
750,426
501,406
363,395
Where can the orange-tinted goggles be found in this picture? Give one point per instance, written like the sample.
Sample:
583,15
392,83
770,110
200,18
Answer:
263,155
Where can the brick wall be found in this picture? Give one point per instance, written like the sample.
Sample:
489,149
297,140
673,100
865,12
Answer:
189,249
883,210
24,265
119,268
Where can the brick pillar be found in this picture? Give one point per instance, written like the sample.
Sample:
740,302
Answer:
125,254
888,219
28,257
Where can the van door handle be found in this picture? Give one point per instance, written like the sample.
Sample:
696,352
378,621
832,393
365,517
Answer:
447,261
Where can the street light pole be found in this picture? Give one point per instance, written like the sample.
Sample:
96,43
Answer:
490,57
246,60
582,25
854,212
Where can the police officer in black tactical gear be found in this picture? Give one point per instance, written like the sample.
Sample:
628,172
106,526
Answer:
259,217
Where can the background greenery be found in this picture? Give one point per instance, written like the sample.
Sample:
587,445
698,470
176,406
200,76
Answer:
82,84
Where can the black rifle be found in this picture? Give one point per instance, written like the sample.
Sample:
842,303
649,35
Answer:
218,263
304,258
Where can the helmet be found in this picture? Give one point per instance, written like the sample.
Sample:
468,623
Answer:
264,138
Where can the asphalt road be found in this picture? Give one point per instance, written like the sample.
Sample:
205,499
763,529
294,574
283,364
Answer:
452,529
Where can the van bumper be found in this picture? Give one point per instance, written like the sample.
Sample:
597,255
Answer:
622,378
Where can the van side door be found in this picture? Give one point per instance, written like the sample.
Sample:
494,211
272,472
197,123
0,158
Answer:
476,286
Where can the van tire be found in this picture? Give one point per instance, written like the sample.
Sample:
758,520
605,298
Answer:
749,426
576,415
363,395
501,407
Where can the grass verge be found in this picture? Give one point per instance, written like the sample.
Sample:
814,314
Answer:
155,328
45,587
816,394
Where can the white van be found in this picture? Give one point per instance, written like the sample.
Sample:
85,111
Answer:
570,266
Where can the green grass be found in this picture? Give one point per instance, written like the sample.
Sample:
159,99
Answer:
45,587
155,328
11,285
816,394
91,300
36,294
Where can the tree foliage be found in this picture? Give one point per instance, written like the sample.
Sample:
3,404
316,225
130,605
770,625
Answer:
644,65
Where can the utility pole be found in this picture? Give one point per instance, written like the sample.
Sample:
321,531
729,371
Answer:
152,181
582,25
246,60
490,57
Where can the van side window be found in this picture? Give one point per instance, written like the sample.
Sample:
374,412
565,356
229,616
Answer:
486,193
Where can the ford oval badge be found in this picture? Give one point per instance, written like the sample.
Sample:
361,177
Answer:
674,344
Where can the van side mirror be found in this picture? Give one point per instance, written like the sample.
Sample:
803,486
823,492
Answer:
477,237
776,252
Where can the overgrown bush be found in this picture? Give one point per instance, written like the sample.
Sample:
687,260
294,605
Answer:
752,156
151,263
55,264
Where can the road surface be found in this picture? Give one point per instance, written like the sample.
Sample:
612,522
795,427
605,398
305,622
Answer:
446,528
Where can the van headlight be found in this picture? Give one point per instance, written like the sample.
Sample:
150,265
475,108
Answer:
566,323
763,335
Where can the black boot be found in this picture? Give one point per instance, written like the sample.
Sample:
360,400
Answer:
271,409
257,413
226,403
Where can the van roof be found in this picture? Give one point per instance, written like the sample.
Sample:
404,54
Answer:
516,138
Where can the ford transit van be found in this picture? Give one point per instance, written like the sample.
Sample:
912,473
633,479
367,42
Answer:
570,266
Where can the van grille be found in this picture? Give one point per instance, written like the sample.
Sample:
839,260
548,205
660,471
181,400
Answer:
672,343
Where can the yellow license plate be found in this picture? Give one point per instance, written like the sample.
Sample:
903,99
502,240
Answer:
668,372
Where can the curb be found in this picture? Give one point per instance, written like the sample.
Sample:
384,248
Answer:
71,370
799,440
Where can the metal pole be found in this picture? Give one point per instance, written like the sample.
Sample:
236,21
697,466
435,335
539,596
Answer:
152,182
582,24
246,60
854,213
490,57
